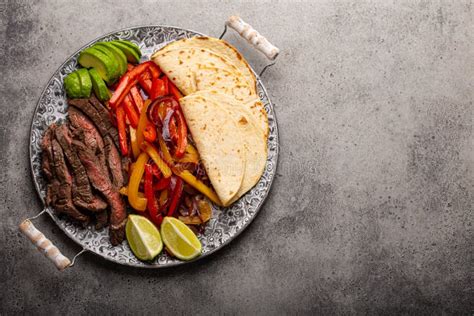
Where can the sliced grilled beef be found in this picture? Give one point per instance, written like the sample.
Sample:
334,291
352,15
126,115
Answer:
101,119
83,196
105,115
47,152
114,163
87,133
102,219
62,196
101,181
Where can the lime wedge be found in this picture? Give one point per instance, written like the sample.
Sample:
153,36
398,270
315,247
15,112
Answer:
180,239
143,237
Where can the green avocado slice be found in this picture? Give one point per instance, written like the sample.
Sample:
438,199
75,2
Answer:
132,46
105,50
105,66
131,54
100,89
72,84
86,84
118,54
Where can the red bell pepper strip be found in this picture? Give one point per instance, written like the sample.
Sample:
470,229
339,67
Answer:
157,88
156,171
145,81
149,133
166,81
130,110
175,196
182,140
152,203
127,82
122,131
154,70
146,85
174,91
137,98
162,184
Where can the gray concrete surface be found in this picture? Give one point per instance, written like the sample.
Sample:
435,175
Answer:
372,208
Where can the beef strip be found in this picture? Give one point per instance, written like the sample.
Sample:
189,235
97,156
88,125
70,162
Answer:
47,161
47,152
114,163
104,114
87,133
100,119
63,185
100,180
102,219
83,196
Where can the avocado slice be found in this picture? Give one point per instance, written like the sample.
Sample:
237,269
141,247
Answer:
118,54
105,66
131,45
72,84
111,55
131,54
86,84
100,89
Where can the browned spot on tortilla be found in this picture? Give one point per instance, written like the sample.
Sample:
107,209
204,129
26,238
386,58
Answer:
180,62
243,121
204,127
202,50
174,78
181,51
170,71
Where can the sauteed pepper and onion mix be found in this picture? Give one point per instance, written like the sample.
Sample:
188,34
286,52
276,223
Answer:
166,177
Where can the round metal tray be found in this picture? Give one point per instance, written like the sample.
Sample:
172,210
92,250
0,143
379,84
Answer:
225,224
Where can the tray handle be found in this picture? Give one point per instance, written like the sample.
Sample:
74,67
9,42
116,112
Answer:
253,37
44,245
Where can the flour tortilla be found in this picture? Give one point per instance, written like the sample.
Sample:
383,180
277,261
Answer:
217,138
221,48
250,134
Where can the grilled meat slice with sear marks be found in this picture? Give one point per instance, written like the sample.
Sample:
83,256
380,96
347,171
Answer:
85,131
63,195
101,181
83,196
100,119
114,163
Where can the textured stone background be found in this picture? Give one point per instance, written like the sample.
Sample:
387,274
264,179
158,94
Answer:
372,208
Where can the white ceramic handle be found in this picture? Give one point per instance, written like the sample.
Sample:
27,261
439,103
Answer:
44,245
253,37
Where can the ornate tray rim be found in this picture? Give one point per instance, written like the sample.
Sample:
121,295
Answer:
50,212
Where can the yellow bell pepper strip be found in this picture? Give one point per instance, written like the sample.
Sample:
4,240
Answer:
163,198
164,149
160,163
137,202
124,191
134,142
190,179
142,123
191,155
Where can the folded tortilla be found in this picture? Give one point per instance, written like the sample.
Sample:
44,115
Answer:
235,128
222,153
